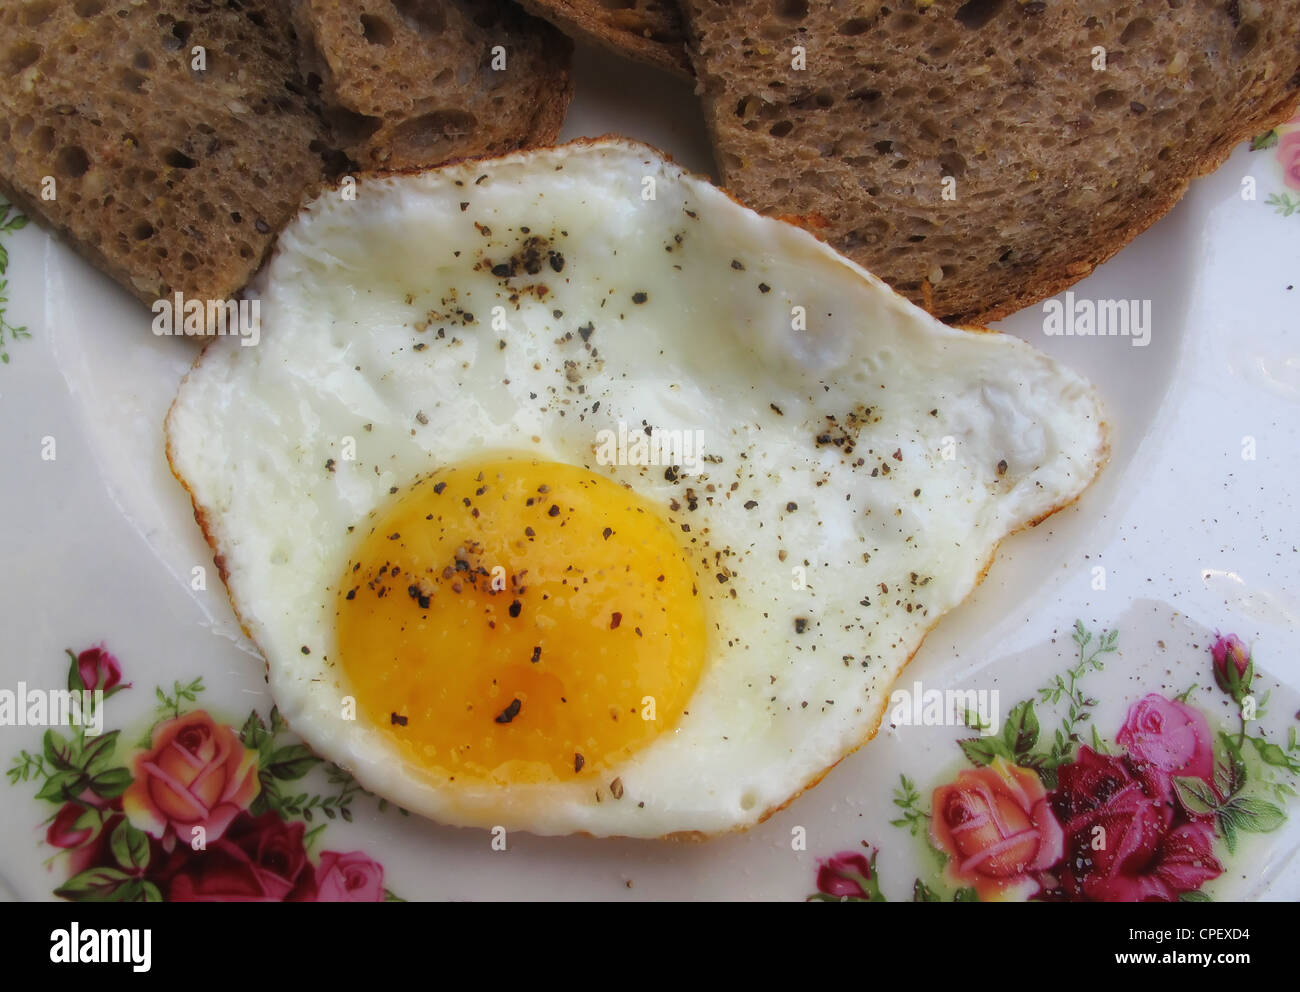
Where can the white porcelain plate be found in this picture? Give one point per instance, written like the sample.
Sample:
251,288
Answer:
1190,533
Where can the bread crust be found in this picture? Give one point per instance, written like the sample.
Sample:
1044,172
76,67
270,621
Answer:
861,164
416,88
655,36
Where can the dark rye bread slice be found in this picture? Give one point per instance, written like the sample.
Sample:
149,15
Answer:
167,178
649,31
411,83
1057,165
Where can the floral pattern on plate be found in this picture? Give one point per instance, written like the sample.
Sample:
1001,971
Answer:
1150,816
201,812
1284,140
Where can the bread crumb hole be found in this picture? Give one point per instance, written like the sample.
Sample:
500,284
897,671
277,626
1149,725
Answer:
791,10
177,159
1109,100
977,13
71,162
1137,29
1244,42
130,80
20,56
38,13
376,30
426,19
428,130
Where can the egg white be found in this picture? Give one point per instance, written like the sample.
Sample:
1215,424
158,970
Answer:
261,438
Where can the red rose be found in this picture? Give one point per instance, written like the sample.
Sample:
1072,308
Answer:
1170,736
84,832
1233,670
845,875
997,828
98,669
66,832
256,860
1120,847
351,877
198,774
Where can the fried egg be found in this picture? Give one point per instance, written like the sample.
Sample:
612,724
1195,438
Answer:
563,493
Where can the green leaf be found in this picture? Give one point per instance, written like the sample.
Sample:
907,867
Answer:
17,223
982,750
97,754
1196,895
111,783
1081,634
62,786
1271,754
1284,204
966,895
1021,730
1229,765
1098,744
130,846
1228,827
310,837
149,893
389,896
253,731
1196,796
94,885
60,752
277,721
1183,696
1256,816
75,683
1268,139
292,762
923,893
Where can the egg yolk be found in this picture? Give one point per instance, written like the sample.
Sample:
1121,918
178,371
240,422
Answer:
520,621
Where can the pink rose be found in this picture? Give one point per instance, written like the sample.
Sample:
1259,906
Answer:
98,669
350,877
198,774
998,829
1288,153
1169,736
845,875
